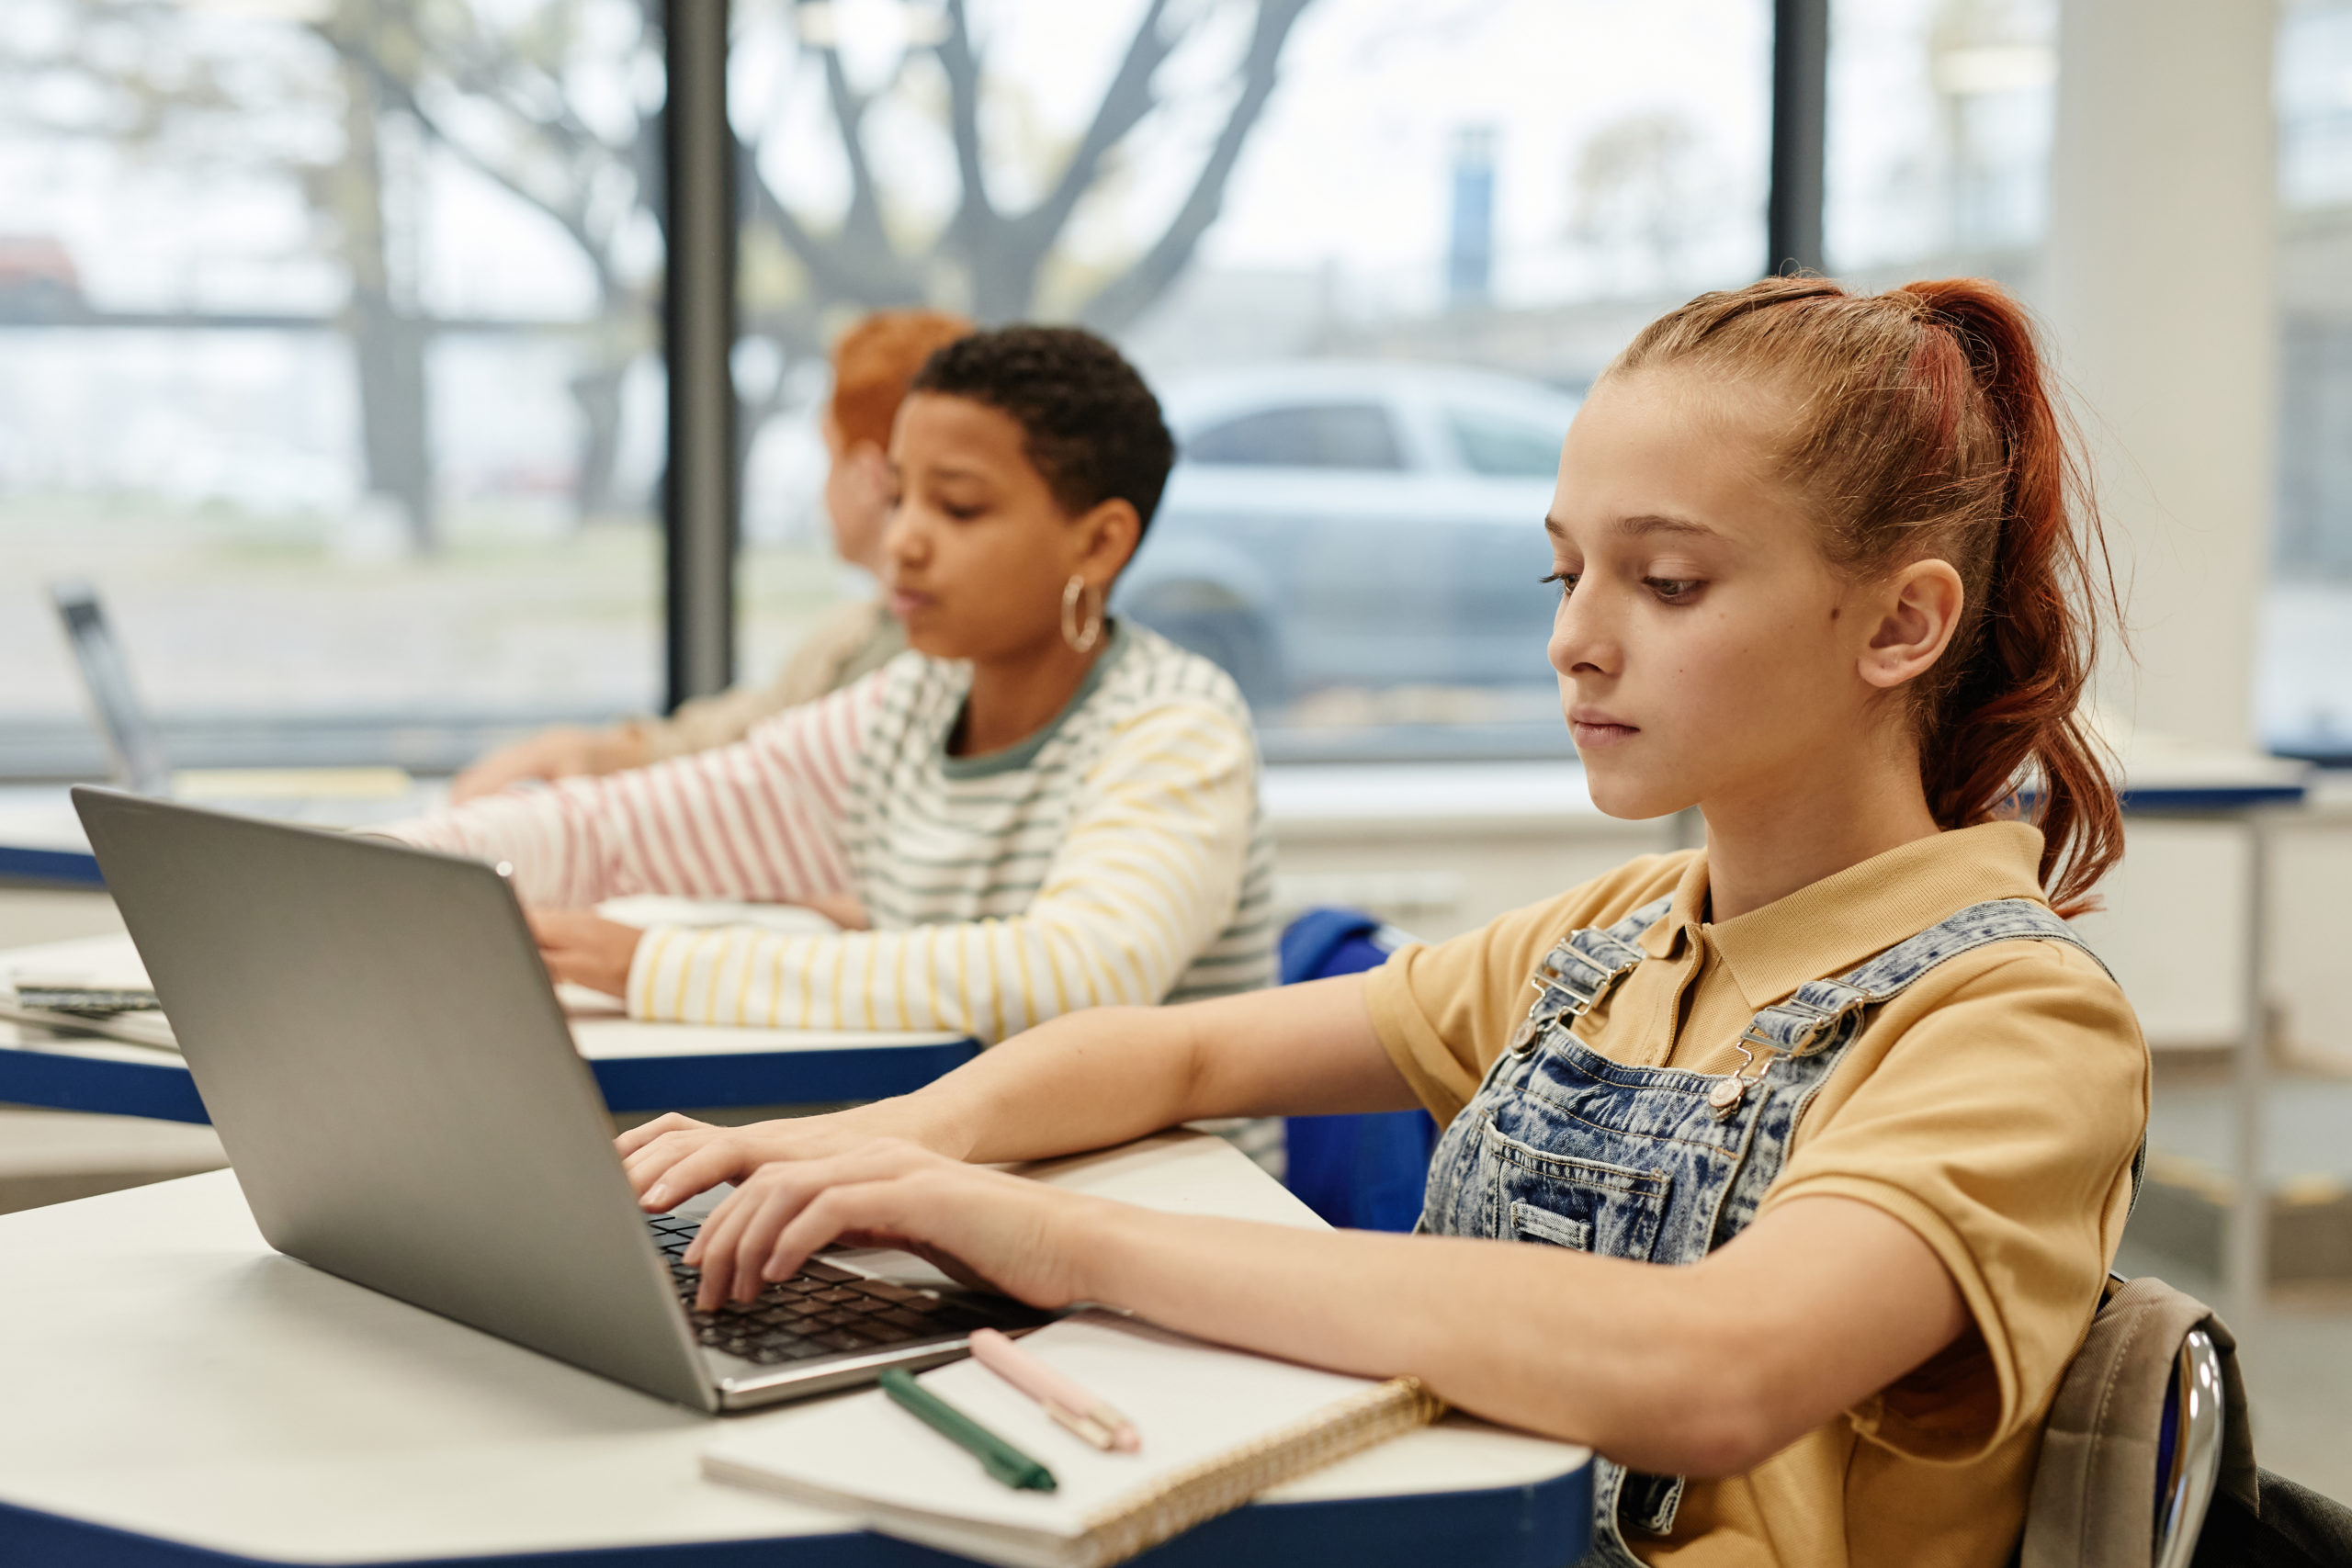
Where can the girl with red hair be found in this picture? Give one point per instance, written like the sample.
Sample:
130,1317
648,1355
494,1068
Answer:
873,362
1784,1172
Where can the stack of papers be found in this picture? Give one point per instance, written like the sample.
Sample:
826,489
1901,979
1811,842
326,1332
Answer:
103,962
1218,1426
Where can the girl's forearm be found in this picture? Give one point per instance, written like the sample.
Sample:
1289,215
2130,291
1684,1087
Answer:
1104,1075
1701,1370
1081,1082
1593,1350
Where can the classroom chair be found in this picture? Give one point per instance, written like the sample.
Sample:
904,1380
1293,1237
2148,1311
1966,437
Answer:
1364,1172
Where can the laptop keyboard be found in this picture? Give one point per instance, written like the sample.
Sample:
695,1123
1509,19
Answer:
828,1310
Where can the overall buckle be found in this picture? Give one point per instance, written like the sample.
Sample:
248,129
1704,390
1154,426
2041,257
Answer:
1731,1092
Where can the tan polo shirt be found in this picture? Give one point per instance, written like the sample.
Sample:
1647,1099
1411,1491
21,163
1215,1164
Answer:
1993,1108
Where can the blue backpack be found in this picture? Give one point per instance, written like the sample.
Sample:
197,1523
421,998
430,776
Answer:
1367,1171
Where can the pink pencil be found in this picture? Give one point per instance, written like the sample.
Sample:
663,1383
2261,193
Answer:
1062,1397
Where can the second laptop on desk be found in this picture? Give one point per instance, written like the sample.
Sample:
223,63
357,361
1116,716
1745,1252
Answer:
379,1048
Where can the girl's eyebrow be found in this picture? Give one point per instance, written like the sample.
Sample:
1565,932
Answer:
1643,523
1657,523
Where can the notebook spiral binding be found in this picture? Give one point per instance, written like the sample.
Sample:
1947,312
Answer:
1226,1481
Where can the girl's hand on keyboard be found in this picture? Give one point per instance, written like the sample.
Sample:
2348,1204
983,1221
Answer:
671,1158
981,1226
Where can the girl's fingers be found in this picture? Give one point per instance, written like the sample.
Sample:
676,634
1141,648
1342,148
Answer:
652,1171
637,1137
718,1244
836,1212
650,1163
697,1169
901,1209
744,1241
757,1239
713,1250
777,1192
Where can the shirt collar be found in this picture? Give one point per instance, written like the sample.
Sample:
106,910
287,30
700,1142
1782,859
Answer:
1664,939
1829,926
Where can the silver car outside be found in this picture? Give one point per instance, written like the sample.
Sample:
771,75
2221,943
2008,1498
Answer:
1369,524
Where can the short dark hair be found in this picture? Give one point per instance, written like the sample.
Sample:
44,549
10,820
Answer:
1089,424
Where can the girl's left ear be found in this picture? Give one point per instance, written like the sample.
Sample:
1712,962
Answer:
1918,611
1107,536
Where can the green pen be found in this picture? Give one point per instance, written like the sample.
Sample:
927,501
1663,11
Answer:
998,1457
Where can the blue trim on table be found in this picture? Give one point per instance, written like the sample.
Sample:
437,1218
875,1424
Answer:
61,868
165,1089
1539,1526
2235,798
776,1078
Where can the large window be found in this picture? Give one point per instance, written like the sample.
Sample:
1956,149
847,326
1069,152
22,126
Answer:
1368,250
330,335
2306,693
1940,120
329,355
1940,114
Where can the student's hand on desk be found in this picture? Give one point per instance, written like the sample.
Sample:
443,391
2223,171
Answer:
671,1158
551,754
585,948
982,1227
845,910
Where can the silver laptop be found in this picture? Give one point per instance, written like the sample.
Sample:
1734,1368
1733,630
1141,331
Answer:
340,797
131,742
381,1052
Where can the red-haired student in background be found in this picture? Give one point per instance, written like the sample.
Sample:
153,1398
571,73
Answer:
873,363
1784,1172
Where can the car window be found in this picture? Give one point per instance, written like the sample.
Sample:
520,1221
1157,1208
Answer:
1504,446
1315,435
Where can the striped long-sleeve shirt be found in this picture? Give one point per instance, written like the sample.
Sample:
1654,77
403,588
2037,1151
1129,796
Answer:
1118,855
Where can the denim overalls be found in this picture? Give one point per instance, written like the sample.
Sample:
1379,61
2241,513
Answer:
1563,1146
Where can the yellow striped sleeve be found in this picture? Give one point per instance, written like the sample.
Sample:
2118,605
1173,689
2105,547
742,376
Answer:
1147,874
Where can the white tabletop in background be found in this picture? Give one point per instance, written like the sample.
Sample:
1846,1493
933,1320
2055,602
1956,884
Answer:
168,1374
1336,796
598,1027
1341,797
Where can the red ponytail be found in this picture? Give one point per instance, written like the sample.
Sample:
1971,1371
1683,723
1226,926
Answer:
1928,430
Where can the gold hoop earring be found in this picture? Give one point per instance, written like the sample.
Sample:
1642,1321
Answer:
1081,639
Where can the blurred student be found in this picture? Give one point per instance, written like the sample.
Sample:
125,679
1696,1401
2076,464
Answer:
1784,1172
873,361
1039,809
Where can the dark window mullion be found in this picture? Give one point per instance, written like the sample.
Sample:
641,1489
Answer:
1800,135
698,502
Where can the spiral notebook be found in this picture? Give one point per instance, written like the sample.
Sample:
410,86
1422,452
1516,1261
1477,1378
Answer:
1219,1426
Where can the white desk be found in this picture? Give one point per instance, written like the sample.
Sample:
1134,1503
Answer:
41,841
176,1392
639,1066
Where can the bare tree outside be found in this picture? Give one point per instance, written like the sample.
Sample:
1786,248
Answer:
1182,95
345,104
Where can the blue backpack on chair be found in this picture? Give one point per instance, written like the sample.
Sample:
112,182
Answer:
1368,1171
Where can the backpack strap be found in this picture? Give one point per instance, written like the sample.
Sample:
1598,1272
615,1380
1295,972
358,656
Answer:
2094,1498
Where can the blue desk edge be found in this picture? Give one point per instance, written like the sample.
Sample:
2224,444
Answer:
61,868
1537,1526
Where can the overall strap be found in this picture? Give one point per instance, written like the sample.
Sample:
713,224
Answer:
1809,1030
1588,964
1823,1013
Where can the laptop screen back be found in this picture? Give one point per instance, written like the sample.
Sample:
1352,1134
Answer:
131,742
380,1049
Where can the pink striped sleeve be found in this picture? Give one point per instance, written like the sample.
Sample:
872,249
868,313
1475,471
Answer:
757,821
